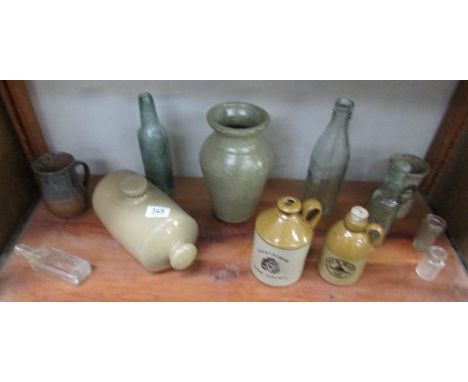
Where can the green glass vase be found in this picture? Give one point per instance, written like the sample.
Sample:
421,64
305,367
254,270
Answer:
154,146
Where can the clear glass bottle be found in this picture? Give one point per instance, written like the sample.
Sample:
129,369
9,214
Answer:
154,146
385,201
330,158
52,262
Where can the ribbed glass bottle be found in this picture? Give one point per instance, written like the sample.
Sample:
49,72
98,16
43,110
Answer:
330,157
154,146
385,201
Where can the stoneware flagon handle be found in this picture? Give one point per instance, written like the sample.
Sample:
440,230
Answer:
375,233
86,172
311,211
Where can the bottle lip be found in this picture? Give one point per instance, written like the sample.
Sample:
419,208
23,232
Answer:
289,205
435,222
344,104
53,163
146,97
418,166
237,118
358,214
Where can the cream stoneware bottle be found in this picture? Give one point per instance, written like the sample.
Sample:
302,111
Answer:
347,246
145,221
282,239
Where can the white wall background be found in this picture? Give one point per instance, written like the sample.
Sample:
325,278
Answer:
97,121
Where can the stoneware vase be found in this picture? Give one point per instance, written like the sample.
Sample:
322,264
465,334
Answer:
145,221
236,159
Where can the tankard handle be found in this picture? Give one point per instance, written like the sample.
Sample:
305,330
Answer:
376,234
86,172
311,211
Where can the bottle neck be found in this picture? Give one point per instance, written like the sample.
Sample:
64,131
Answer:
341,117
148,113
395,179
26,251
356,219
392,187
339,121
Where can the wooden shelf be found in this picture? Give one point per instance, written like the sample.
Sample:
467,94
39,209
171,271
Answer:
221,271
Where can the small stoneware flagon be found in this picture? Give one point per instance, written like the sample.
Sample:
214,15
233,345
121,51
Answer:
282,239
347,245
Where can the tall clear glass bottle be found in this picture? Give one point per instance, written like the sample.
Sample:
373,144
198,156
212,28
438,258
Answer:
330,158
154,146
385,201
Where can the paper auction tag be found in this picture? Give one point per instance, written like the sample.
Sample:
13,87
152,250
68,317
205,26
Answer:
157,212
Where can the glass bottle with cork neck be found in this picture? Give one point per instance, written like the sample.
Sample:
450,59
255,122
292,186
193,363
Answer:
154,146
385,201
55,263
348,243
330,157
418,170
282,240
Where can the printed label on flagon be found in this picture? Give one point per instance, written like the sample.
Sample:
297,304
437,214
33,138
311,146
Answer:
157,212
338,270
276,266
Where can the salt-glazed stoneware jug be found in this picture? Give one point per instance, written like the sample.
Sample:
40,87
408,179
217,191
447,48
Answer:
282,239
64,193
347,245
145,221
236,159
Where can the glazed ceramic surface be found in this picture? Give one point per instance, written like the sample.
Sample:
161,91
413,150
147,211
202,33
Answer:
282,239
145,221
347,246
64,193
236,160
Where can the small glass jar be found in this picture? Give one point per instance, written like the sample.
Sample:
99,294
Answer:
431,263
431,227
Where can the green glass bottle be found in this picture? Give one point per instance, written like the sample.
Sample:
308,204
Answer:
154,146
385,201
